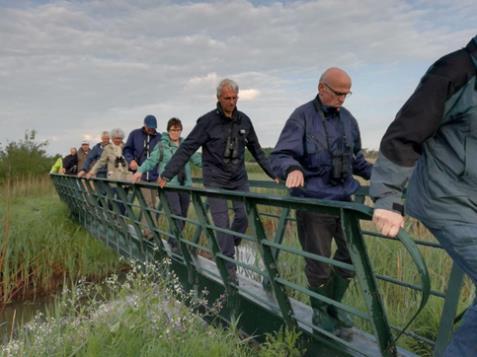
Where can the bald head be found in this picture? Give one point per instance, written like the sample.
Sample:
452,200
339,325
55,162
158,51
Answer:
334,86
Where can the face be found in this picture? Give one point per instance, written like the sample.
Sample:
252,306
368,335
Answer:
228,100
73,151
105,139
85,147
148,130
175,133
117,140
334,90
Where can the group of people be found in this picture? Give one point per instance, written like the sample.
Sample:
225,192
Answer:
432,143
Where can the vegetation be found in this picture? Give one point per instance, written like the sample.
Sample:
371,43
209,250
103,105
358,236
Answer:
40,247
24,158
145,316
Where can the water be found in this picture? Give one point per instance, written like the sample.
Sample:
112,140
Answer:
18,314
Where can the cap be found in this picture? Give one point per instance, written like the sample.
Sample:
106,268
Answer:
85,142
150,121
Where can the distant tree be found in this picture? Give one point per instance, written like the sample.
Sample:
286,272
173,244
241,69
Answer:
24,157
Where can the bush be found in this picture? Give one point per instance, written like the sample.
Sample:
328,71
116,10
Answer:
25,157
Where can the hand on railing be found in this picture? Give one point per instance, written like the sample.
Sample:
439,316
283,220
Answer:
136,177
162,182
388,222
295,179
89,175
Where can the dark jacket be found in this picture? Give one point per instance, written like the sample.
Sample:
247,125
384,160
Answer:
311,137
70,164
139,147
433,140
91,159
220,168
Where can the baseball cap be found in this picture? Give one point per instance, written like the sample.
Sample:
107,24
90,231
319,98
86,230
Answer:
150,121
85,142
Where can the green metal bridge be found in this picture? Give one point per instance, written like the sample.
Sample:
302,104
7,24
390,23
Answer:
271,291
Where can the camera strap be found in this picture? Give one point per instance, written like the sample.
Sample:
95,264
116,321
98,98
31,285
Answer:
327,136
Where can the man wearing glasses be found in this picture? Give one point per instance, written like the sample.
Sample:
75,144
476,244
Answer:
318,152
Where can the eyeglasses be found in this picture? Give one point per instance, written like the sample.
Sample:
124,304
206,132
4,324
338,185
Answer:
175,129
338,94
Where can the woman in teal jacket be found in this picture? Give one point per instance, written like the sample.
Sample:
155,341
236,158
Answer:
162,153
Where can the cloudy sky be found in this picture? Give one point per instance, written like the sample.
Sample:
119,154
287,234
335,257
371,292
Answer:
70,69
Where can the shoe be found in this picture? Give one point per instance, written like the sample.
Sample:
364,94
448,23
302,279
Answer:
321,317
340,285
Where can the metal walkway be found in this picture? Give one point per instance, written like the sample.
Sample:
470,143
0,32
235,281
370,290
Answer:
270,293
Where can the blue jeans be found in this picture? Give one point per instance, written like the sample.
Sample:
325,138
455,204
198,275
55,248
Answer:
460,241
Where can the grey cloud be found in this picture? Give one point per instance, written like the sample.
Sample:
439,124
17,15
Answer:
72,67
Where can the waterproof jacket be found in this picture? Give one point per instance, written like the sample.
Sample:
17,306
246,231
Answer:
112,157
211,132
433,139
310,138
82,155
139,147
57,166
70,164
93,156
163,153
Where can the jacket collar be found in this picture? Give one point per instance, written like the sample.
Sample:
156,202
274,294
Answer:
235,115
329,112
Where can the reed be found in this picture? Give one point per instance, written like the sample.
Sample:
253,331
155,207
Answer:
40,247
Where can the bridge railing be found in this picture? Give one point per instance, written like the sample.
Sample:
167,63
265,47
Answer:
117,213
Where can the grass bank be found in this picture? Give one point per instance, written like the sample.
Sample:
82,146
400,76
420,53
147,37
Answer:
145,316
40,247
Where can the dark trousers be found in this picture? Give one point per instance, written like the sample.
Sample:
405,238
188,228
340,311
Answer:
179,205
220,216
315,232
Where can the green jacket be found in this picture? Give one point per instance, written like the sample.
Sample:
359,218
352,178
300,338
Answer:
163,152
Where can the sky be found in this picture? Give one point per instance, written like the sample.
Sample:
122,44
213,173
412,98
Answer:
71,69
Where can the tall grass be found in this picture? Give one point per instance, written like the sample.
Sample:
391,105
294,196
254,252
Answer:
40,248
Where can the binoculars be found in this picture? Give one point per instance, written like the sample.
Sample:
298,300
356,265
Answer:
341,167
119,161
232,152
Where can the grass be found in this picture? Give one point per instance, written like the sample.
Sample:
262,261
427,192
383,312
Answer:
40,247
145,315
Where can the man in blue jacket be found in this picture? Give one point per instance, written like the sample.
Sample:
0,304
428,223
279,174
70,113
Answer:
317,154
433,140
223,134
138,148
94,155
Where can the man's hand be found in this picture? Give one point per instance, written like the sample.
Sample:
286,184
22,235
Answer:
295,179
81,173
388,222
89,175
133,165
136,177
276,180
162,182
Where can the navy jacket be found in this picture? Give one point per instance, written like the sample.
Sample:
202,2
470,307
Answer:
139,147
211,132
311,135
92,157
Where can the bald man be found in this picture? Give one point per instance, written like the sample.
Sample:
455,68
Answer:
318,152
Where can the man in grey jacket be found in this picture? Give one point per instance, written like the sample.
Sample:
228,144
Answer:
433,140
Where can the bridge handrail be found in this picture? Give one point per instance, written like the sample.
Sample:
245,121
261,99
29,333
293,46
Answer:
343,209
